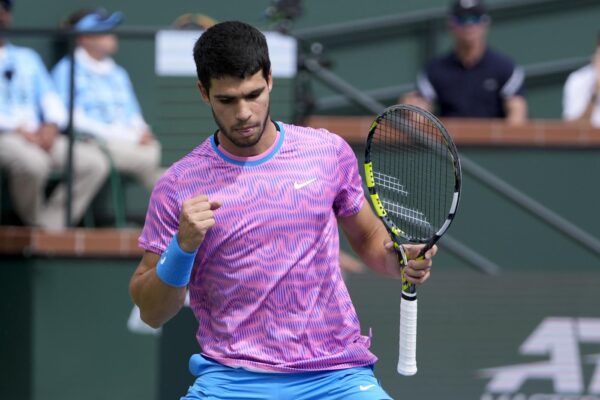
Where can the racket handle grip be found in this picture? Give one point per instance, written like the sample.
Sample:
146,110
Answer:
407,350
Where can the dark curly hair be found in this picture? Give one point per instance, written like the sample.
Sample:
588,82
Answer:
231,49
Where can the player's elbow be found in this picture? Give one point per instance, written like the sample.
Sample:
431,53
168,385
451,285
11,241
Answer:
157,313
149,314
516,110
152,320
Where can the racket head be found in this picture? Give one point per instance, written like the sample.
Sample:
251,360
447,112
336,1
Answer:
413,174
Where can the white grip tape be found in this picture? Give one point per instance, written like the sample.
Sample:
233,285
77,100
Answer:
407,357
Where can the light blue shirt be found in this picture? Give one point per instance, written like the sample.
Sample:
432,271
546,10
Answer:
105,103
28,96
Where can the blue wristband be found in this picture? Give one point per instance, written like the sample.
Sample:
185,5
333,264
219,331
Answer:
175,265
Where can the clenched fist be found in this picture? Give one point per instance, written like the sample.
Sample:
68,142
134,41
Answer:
196,218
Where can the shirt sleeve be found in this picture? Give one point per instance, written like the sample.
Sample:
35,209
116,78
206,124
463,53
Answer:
52,108
425,87
515,84
128,129
135,111
350,197
60,77
162,217
136,121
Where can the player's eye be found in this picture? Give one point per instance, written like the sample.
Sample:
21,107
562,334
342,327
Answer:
254,95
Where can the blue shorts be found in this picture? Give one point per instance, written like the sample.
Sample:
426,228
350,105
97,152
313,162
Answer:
216,381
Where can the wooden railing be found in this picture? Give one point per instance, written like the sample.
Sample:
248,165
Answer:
77,242
480,132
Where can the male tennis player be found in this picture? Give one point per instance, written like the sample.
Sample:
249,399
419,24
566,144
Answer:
248,222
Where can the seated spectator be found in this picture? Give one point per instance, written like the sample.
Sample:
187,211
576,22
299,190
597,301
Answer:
580,94
31,144
473,80
105,105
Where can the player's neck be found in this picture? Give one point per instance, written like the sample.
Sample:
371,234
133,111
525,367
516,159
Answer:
94,55
470,54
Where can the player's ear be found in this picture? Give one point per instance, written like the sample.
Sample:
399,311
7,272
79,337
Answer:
270,80
203,92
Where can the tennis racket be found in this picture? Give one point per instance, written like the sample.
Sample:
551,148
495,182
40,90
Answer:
413,176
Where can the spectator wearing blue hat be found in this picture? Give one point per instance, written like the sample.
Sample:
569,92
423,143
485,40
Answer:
105,105
32,116
473,80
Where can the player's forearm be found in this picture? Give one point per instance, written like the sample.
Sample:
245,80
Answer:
158,302
415,99
386,263
375,255
367,236
516,110
586,116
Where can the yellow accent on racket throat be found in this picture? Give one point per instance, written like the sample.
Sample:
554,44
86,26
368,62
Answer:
369,177
378,205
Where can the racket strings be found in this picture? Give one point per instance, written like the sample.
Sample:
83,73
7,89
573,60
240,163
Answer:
414,172
412,216
389,182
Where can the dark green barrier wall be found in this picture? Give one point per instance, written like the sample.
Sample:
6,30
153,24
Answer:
64,331
510,236
469,323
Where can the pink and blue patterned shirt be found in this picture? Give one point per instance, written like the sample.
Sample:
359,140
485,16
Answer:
266,287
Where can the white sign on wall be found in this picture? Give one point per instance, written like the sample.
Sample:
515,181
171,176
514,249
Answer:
558,340
174,53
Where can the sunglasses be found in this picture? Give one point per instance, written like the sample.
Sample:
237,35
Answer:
469,19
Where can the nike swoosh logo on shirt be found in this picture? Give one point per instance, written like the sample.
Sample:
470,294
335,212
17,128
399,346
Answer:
300,185
363,388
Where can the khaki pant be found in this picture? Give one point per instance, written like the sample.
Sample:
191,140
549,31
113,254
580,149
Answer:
140,161
29,167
